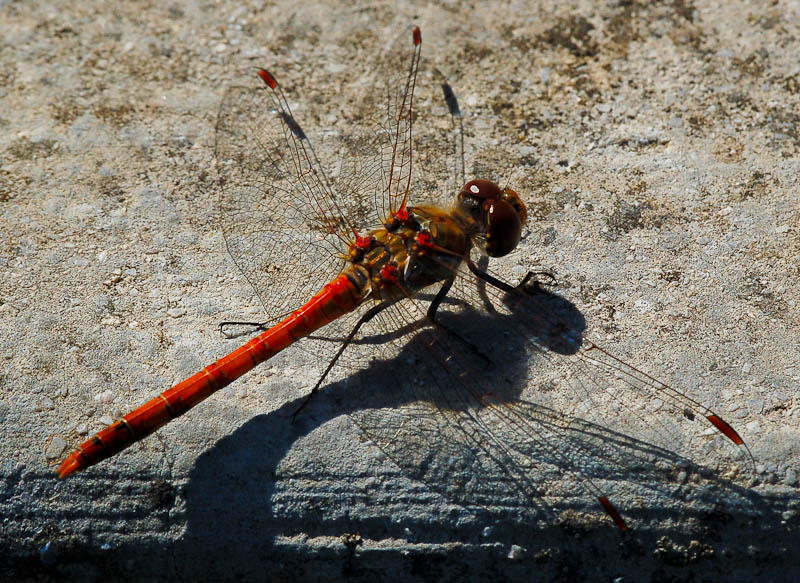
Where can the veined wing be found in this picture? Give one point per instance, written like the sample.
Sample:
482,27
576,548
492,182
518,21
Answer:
275,197
515,408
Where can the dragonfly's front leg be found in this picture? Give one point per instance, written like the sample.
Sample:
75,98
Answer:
527,286
254,327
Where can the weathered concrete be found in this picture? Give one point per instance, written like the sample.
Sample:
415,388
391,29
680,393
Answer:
657,148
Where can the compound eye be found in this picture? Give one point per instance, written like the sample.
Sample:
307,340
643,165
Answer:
503,227
480,188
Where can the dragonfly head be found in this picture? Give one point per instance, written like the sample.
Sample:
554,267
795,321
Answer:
495,216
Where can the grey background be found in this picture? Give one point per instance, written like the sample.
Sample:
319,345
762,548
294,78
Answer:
656,145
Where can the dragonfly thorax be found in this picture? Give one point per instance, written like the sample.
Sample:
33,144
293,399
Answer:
416,248
493,217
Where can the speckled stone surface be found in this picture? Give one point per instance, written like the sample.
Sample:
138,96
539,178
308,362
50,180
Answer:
656,146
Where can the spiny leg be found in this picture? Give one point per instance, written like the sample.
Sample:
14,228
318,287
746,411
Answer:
437,300
434,307
526,285
368,315
480,274
256,327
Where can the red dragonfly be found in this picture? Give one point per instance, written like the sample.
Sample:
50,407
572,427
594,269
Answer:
381,305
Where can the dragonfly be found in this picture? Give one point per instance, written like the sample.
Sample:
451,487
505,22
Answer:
386,280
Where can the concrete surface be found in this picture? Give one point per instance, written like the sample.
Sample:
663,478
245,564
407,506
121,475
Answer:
656,145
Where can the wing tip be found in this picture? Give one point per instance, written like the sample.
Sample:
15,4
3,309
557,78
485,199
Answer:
728,431
268,78
417,35
725,428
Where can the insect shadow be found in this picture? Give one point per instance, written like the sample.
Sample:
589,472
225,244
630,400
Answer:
436,442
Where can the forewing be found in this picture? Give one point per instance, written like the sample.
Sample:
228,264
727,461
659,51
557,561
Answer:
278,215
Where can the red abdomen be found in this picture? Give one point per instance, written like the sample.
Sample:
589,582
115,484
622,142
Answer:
336,298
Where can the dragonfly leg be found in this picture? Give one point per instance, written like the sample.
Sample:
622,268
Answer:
437,301
433,308
535,285
480,274
368,315
525,286
257,327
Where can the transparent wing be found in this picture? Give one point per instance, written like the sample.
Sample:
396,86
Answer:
408,94
449,414
274,199
288,192
505,404
400,69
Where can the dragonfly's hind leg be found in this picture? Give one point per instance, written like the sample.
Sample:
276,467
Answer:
368,315
254,327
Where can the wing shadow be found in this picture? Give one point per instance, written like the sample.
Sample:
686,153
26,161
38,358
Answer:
231,493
